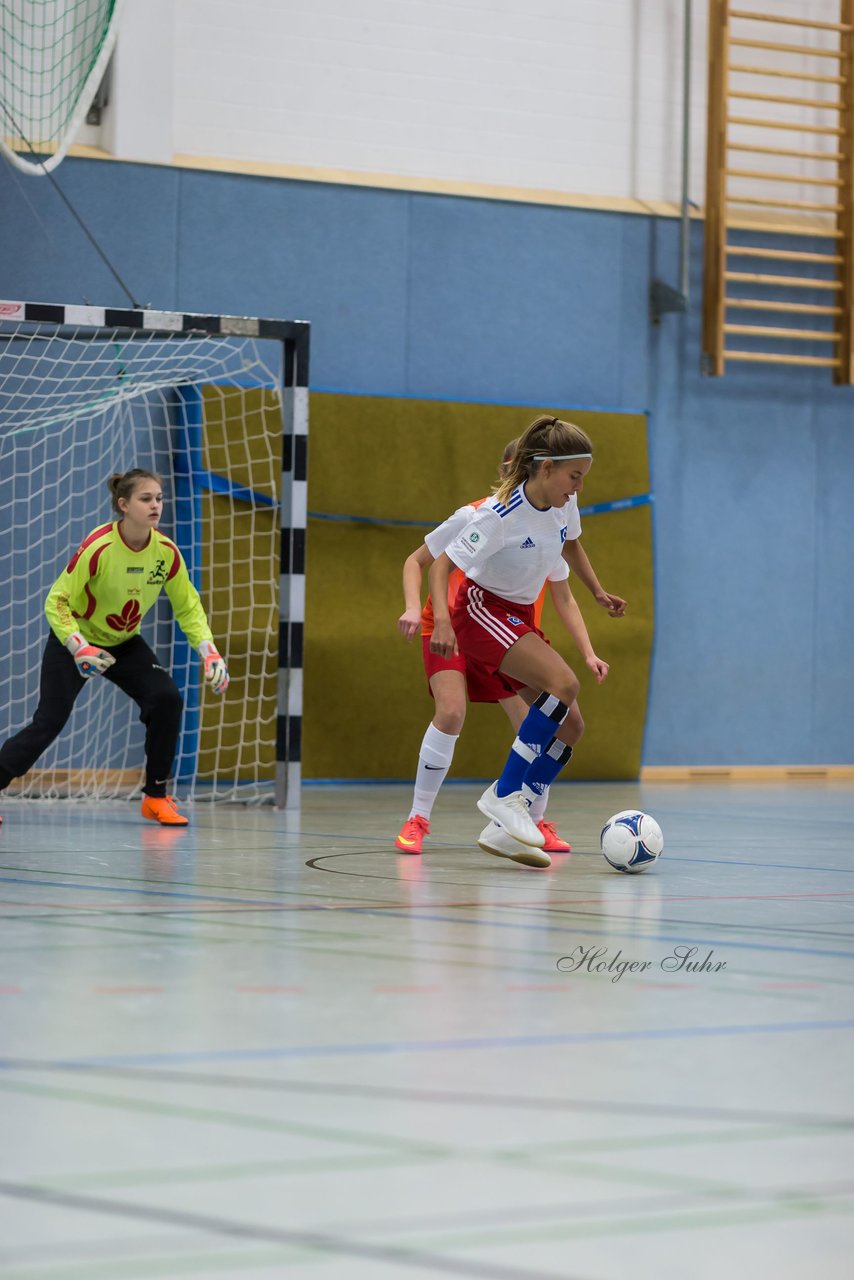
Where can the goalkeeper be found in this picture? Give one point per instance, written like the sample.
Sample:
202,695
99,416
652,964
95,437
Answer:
95,609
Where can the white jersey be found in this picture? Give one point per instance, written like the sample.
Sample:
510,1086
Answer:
440,538
511,548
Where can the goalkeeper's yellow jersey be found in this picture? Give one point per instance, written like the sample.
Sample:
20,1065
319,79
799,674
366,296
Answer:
107,588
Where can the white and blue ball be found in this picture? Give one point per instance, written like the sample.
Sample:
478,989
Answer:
631,841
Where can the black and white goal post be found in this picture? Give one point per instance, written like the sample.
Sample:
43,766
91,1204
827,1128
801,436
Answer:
218,407
294,520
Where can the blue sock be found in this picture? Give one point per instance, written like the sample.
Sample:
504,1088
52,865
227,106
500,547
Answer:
544,769
536,732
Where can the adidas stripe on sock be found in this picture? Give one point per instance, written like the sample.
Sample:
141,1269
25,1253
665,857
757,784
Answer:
543,771
536,733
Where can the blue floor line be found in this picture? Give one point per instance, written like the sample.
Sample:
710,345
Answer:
146,893
773,866
435,1046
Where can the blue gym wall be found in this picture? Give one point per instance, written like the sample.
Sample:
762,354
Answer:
435,296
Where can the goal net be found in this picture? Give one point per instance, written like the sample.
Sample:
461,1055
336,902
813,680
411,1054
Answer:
53,55
217,406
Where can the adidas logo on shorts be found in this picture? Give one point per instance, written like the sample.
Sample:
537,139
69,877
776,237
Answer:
529,542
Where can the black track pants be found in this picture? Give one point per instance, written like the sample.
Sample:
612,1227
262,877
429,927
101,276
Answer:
137,673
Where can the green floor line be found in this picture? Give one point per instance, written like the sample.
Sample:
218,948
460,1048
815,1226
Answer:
792,1207
690,1220
228,1172
563,1166
760,1133
89,923
184,938
233,1263
624,1175
235,1119
49,948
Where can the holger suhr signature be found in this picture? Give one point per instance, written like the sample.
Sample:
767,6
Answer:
682,959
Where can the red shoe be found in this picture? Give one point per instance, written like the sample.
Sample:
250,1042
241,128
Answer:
412,833
553,844
164,810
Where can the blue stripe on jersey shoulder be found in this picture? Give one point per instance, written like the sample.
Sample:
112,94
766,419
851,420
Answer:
515,501
498,505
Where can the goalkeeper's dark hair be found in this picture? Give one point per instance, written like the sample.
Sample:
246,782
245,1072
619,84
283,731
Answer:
122,484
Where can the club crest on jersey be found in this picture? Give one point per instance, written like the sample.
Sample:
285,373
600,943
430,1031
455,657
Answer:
514,622
157,575
129,618
529,542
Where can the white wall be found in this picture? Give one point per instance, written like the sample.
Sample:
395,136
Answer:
580,96
530,93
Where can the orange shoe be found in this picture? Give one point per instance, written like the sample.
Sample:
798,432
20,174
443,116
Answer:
412,833
164,810
553,844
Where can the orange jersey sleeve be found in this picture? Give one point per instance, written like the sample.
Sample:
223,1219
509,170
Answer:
538,607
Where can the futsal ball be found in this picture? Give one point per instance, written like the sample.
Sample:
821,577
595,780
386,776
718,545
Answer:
631,841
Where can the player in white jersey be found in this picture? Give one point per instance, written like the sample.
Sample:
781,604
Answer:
451,685
512,543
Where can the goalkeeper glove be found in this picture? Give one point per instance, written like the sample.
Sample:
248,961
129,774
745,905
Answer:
88,658
216,672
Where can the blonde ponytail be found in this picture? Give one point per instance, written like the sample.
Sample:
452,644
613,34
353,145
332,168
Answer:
546,437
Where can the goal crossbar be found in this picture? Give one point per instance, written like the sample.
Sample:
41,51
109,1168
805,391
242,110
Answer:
23,411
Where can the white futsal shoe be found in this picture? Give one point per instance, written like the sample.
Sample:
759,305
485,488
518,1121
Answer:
494,839
511,813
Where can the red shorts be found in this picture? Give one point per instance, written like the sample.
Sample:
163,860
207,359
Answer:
434,662
480,687
486,627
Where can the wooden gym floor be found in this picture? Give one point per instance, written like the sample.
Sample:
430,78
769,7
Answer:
269,1045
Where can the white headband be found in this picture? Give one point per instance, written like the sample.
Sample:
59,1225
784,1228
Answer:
559,457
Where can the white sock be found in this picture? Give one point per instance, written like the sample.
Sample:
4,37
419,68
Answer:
434,761
538,805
